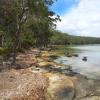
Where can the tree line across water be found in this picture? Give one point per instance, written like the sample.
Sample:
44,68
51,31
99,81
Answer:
59,38
31,23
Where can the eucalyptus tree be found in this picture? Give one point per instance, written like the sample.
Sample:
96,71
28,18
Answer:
12,17
43,22
17,16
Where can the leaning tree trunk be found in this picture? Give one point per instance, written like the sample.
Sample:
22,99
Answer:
15,45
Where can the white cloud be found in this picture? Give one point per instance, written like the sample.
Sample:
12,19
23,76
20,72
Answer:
83,19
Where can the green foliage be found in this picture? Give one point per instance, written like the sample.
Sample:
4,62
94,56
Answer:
4,52
59,38
26,23
84,40
65,39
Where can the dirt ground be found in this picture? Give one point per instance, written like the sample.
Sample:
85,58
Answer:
22,85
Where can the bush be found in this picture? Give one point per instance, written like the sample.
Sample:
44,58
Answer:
5,52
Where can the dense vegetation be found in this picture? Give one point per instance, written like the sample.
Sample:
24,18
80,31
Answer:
64,38
25,23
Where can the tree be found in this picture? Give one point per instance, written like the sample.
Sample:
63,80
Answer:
34,15
43,23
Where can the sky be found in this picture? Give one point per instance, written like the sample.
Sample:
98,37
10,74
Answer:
79,17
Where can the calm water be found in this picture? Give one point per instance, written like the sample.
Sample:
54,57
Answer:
89,68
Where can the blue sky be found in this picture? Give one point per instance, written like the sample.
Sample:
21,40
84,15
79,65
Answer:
62,6
79,17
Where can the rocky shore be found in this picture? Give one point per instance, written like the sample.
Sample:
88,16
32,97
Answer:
39,78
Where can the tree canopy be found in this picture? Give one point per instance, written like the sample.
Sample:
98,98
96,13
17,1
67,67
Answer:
25,20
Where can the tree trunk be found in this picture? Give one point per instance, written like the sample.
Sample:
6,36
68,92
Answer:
15,45
14,56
